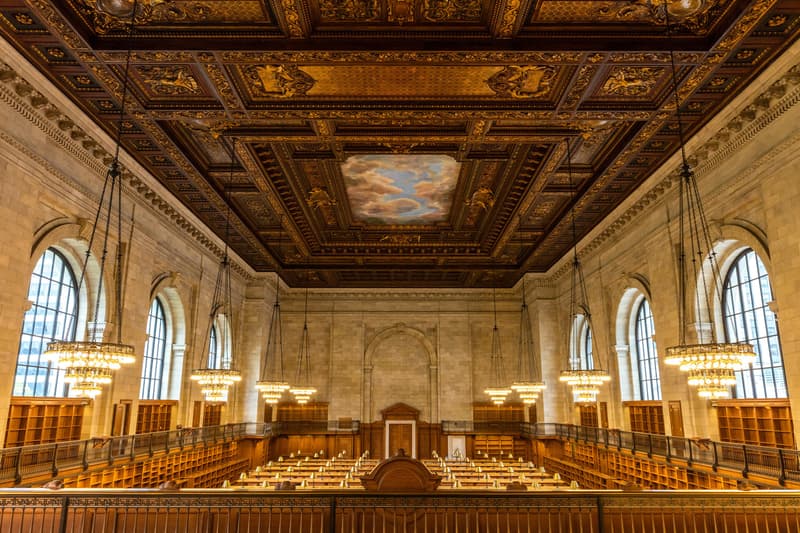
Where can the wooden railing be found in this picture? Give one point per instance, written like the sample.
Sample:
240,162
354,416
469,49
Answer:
566,511
26,462
39,460
774,463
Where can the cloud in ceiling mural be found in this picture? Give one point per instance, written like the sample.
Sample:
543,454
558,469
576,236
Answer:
400,188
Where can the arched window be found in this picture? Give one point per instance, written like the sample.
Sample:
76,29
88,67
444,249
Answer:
155,353
747,318
645,354
582,358
213,349
587,359
53,316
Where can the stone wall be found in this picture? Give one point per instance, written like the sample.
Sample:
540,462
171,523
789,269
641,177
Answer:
370,349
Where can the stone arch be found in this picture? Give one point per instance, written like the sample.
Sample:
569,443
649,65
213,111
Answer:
638,289
70,236
164,287
372,400
735,237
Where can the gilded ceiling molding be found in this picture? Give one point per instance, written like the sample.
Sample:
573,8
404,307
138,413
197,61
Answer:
400,12
301,57
264,185
170,81
483,197
506,21
293,20
550,166
585,76
318,197
744,25
107,16
479,296
451,10
278,81
56,21
168,58
360,11
223,87
36,109
522,81
631,81
693,15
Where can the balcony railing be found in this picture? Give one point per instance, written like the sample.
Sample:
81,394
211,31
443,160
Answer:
310,427
776,463
263,510
41,460
28,462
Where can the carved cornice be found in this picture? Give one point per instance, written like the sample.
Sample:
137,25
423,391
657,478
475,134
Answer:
762,111
35,108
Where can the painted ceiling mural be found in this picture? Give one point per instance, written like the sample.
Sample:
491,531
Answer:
400,188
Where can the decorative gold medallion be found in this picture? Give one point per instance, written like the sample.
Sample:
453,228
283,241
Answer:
529,81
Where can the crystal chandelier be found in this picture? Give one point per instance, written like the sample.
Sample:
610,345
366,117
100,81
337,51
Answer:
217,377
711,365
497,391
89,364
303,390
271,383
583,378
530,384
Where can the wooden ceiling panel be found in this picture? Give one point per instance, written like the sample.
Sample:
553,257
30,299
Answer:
397,143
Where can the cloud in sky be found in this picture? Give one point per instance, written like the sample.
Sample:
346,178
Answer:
400,188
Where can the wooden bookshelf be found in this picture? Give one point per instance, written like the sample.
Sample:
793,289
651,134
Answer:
294,412
203,467
757,422
588,415
625,468
154,415
586,477
655,475
43,420
646,416
489,412
499,446
583,454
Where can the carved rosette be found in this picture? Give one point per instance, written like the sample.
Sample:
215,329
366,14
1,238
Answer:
527,81
350,10
631,81
451,10
692,15
279,81
108,16
170,81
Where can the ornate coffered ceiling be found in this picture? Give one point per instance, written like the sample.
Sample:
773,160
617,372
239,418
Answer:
409,143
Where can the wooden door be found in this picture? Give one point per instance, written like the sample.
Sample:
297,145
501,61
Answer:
676,418
604,415
400,436
197,413
121,419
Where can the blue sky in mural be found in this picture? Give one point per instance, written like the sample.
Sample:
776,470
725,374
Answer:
400,188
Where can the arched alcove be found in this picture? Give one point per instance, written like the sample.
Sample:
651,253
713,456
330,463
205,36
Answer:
400,366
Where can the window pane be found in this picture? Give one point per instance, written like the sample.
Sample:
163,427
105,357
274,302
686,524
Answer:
645,353
587,357
53,316
213,351
155,350
747,318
